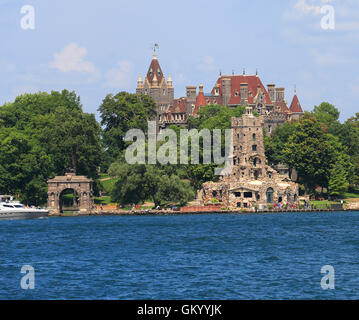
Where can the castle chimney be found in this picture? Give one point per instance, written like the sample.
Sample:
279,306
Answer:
191,93
244,93
279,94
226,89
271,90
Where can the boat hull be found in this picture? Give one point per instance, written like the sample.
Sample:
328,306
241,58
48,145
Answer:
23,214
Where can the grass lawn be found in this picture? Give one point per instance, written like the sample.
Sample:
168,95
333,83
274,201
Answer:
321,204
352,194
108,184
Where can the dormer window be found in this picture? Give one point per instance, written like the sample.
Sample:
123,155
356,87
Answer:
159,72
236,93
151,71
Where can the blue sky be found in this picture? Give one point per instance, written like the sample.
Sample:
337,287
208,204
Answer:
101,47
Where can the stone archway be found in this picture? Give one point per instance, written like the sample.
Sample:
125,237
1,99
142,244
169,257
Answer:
269,195
80,184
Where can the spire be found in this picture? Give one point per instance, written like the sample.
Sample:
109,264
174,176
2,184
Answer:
169,81
200,101
244,71
295,106
257,72
139,82
154,70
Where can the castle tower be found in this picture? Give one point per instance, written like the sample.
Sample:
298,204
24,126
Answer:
252,182
156,86
248,145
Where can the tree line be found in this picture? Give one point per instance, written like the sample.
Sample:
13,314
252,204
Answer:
46,134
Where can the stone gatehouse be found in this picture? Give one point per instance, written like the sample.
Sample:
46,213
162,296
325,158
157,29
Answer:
251,181
80,185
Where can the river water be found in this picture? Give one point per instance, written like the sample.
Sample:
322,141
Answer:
214,256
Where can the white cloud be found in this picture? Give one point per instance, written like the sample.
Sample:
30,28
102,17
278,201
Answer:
207,64
71,58
331,57
119,77
314,8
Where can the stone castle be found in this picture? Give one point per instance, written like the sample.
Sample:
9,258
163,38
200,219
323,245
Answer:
231,91
251,181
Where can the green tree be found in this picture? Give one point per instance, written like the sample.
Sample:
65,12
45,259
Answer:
43,135
338,183
138,183
120,113
275,143
327,114
313,153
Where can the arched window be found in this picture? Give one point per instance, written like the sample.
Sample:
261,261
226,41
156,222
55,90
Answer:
254,137
269,195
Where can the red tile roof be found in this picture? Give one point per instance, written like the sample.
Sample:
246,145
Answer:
156,69
295,105
200,102
283,106
179,106
253,83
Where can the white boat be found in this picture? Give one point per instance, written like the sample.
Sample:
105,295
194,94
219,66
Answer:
10,209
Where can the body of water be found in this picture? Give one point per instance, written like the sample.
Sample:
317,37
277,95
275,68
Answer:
249,256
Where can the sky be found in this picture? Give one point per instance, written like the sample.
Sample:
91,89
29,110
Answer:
100,47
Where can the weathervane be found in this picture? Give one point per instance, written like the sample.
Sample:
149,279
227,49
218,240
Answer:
155,46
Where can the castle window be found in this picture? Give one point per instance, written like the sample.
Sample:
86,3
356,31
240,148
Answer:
254,137
237,194
214,193
254,147
238,204
248,195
